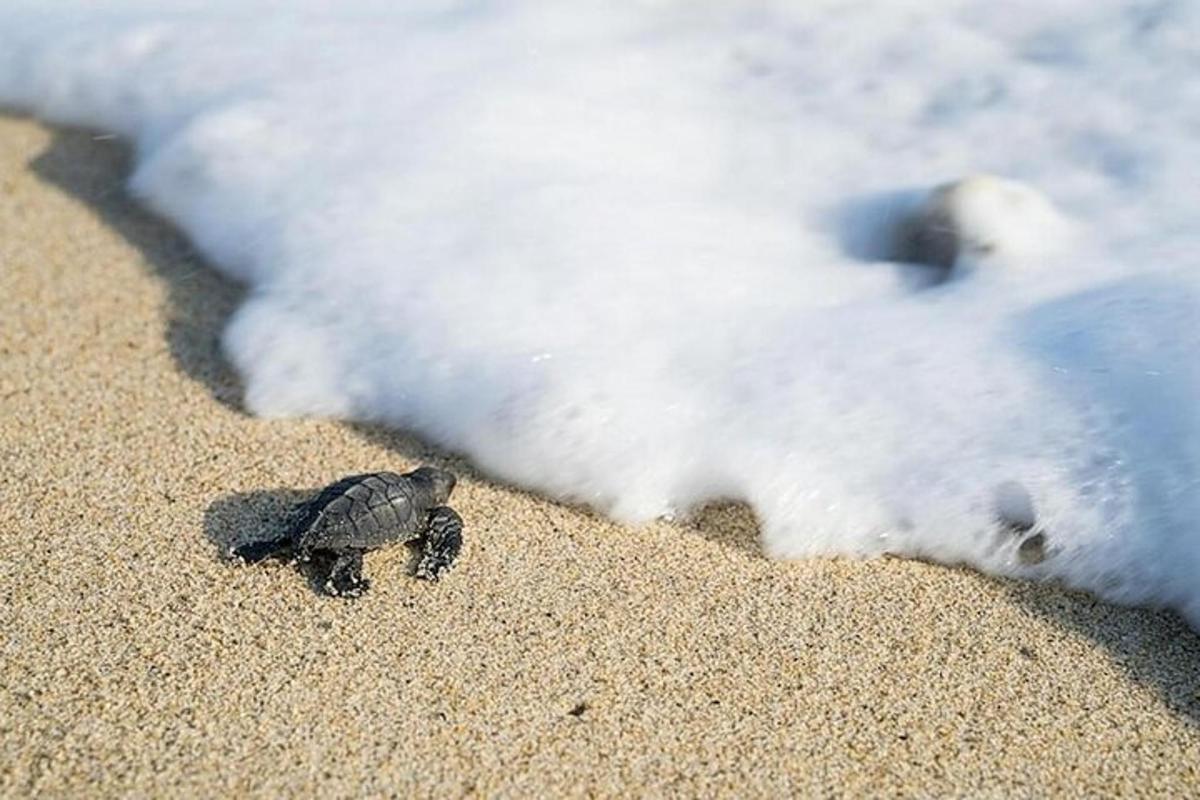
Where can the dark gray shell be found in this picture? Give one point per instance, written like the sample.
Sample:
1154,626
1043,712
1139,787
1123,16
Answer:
363,512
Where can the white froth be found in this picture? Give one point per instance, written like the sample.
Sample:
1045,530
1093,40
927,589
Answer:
637,255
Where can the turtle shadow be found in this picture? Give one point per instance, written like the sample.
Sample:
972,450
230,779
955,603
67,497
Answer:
241,518
244,517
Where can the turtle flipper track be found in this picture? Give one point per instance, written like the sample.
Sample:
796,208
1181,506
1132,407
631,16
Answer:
253,552
443,541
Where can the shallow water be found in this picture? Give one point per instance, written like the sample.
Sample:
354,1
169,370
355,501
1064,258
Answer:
641,258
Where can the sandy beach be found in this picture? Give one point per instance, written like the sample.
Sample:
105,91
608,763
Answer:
564,656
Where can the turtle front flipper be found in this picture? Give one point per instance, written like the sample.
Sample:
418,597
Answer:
345,576
443,541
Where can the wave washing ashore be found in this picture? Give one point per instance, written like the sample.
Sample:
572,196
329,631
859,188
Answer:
639,257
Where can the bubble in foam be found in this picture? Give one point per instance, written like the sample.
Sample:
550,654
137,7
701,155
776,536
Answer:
1032,550
982,219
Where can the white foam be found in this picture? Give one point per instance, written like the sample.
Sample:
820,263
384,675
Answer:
632,254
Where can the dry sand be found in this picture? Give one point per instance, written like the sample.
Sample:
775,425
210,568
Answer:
565,655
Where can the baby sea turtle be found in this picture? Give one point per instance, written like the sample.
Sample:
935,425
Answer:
365,512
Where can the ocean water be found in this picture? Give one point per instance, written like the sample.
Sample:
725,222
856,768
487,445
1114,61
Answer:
644,255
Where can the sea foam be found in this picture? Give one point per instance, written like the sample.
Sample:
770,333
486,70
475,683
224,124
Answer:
641,255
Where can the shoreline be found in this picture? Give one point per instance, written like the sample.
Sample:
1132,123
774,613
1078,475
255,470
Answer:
138,662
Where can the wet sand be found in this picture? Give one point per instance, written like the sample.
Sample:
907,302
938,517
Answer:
565,655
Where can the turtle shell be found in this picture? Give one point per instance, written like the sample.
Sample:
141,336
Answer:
362,512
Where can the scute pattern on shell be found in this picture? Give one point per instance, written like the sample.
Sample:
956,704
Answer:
363,511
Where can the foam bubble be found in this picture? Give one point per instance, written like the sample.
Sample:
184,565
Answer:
983,221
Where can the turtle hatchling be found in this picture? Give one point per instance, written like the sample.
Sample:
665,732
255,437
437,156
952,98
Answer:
365,512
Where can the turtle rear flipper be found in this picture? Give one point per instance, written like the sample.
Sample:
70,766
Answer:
253,552
345,576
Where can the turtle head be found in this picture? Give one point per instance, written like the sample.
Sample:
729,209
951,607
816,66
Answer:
441,483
